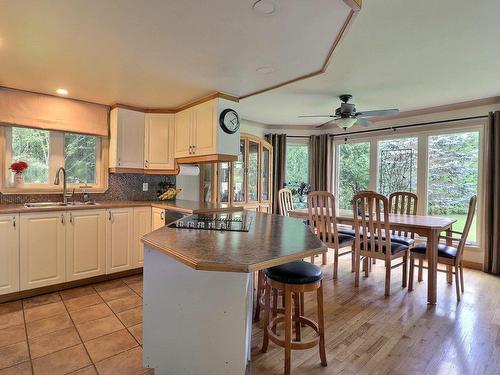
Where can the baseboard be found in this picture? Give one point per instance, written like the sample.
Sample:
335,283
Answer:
473,265
67,285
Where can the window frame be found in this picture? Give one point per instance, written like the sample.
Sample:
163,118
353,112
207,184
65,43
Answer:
56,159
422,134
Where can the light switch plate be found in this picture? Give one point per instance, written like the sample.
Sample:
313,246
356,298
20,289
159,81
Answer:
145,186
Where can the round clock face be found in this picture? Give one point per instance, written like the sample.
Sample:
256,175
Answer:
229,121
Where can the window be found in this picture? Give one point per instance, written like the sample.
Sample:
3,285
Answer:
441,166
45,151
354,171
453,177
297,172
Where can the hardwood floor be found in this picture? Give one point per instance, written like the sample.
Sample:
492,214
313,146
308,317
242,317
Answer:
367,333
98,329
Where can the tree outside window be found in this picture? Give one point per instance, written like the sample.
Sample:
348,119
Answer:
297,173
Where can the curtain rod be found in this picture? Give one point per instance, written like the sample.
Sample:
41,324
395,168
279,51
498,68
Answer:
396,127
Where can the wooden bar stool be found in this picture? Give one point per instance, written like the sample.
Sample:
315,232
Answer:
293,279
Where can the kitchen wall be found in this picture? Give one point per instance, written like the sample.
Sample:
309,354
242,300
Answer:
121,187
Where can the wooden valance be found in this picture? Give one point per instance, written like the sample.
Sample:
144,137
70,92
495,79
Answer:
28,109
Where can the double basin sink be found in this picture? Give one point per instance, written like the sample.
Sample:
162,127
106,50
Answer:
59,204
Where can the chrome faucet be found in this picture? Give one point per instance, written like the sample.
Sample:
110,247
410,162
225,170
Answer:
65,188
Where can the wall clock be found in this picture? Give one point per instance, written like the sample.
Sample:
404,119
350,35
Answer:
229,121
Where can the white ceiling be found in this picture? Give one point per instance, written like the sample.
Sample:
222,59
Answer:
160,53
406,54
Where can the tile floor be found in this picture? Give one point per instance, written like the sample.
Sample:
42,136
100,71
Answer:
95,329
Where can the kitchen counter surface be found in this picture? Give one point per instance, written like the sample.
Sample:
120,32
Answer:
271,240
183,206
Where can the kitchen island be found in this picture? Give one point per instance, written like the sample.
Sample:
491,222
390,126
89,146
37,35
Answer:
198,291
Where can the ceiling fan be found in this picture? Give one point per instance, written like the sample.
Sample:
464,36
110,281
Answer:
346,116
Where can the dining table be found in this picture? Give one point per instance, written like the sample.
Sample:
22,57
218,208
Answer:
430,227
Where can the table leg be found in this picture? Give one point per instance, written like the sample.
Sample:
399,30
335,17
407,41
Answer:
432,244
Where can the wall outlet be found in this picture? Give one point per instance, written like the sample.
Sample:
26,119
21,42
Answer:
145,186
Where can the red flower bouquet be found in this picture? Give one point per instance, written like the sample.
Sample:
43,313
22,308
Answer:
18,166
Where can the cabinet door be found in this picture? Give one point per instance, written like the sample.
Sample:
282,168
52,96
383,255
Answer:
119,239
238,175
85,244
204,128
9,254
182,136
159,141
42,249
265,171
130,139
142,226
157,218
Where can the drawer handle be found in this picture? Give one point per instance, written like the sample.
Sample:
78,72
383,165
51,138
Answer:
71,217
62,218
162,215
109,215
14,221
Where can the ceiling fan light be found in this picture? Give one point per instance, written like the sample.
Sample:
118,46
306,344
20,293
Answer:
346,123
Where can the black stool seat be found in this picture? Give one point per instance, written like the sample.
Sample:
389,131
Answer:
298,272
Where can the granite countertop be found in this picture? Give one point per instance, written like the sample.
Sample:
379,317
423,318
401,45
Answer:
179,205
271,240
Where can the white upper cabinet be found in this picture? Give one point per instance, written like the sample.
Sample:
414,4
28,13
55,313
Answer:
126,147
198,133
9,253
159,141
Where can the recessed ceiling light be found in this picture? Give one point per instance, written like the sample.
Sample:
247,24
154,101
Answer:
62,91
265,7
264,70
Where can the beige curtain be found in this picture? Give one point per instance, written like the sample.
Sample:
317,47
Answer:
492,195
278,141
28,109
321,162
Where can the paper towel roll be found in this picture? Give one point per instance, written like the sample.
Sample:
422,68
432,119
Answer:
189,170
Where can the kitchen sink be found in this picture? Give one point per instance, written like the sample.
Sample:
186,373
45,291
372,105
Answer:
58,204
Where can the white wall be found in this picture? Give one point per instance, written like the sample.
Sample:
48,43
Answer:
190,186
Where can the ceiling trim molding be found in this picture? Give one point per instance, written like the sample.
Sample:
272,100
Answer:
442,108
190,104
355,6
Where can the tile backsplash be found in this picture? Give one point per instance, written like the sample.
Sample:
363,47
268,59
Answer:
122,186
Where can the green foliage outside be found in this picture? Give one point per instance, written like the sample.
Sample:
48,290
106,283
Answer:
297,172
80,158
354,171
32,146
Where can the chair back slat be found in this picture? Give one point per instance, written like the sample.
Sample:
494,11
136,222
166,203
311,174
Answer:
403,203
468,224
322,218
285,201
371,221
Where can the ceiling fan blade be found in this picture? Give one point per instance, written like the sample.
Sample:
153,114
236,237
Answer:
326,123
363,122
317,116
381,112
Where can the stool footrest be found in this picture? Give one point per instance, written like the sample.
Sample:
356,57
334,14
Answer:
296,345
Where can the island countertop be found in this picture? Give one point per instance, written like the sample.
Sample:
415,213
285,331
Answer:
178,205
272,240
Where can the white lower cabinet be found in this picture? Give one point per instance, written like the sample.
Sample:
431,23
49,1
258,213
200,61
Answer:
157,218
85,244
42,249
142,226
119,239
9,253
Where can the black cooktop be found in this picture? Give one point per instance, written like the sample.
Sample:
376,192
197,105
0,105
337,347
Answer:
232,222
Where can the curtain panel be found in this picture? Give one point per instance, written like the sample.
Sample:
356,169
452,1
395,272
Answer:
492,195
278,141
321,162
28,109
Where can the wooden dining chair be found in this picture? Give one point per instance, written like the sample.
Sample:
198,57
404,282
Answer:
285,201
369,227
322,220
448,254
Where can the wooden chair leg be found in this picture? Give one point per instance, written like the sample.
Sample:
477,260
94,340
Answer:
462,276
356,271
405,271
321,325
260,277
335,262
420,269
324,258
410,278
267,311
296,297
457,282
374,261
302,307
353,259
387,278
449,274
274,307
366,264
288,329
312,259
